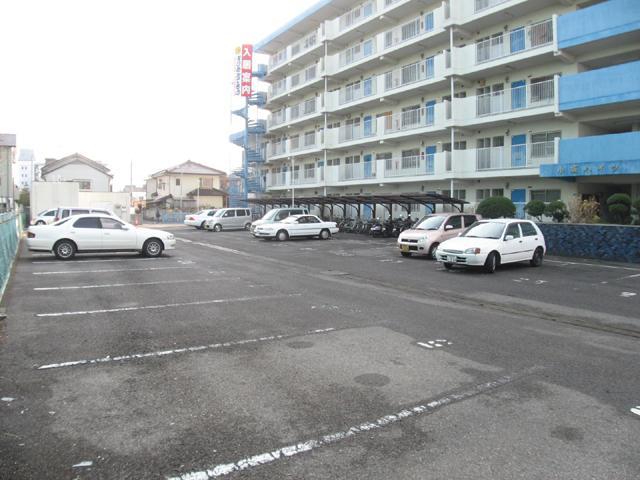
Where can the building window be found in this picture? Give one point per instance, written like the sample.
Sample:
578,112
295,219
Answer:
206,182
177,182
543,144
483,193
545,195
459,194
84,184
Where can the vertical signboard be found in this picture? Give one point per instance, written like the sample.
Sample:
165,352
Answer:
245,80
237,71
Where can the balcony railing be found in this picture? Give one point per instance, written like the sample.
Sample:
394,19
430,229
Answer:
408,74
278,58
296,80
410,119
357,15
410,166
519,98
481,5
347,133
356,171
357,91
517,156
357,52
516,41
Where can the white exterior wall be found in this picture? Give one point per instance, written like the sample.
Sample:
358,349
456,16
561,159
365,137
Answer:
457,116
188,183
45,195
117,202
100,182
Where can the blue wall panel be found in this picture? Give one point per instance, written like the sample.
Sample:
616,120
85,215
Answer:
620,83
598,22
606,242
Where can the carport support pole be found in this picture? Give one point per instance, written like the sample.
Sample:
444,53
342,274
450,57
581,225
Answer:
293,188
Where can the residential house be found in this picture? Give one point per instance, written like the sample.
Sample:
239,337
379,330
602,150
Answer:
92,176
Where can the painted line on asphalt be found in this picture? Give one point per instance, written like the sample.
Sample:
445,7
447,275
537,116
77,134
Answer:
64,272
167,305
614,267
116,285
58,262
636,410
434,343
215,247
175,351
308,445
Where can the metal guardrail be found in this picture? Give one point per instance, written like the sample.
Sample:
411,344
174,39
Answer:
11,225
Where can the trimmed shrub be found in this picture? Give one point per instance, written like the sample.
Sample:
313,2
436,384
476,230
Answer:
635,210
556,210
535,208
584,211
620,207
496,207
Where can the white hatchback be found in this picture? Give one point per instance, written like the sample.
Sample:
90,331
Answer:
490,243
97,233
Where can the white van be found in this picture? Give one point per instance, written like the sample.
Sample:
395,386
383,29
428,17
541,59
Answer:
45,217
277,215
64,212
229,219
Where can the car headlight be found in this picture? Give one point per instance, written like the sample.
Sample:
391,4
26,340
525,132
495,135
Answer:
472,251
170,236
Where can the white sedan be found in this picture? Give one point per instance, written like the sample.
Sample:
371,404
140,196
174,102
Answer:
489,243
297,226
198,219
97,233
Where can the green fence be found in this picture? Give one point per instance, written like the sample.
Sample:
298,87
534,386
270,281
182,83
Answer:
10,228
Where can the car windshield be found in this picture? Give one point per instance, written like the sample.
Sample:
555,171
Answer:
431,222
218,213
484,230
200,212
270,215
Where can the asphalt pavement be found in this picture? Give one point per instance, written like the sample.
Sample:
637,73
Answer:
241,358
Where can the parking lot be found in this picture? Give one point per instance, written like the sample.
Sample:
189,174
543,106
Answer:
309,359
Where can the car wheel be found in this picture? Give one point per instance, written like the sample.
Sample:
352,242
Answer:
491,263
447,265
282,235
39,222
538,256
247,226
432,251
325,234
405,254
217,227
64,249
201,227
152,248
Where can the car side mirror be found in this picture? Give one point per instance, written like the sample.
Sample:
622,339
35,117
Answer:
508,237
448,227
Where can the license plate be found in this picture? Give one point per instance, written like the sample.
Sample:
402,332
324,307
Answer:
404,248
451,258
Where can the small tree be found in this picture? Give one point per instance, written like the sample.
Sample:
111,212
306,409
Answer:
556,210
25,198
584,211
496,207
619,205
635,211
535,208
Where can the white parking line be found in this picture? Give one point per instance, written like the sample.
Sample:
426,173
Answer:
306,446
123,259
115,285
614,267
168,305
65,272
175,351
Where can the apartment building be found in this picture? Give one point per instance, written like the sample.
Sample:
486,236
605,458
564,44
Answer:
530,99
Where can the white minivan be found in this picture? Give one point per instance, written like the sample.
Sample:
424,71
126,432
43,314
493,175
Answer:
229,219
64,212
45,217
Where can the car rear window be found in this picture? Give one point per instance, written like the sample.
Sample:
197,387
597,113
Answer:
469,220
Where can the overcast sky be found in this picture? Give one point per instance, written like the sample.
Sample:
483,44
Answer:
147,81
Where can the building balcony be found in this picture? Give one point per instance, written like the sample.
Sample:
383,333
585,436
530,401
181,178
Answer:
400,82
605,90
293,56
600,155
522,102
615,22
476,15
299,83
524,156
296,145
296,114
521,47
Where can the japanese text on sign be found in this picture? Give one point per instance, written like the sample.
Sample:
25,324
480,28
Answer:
245,79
